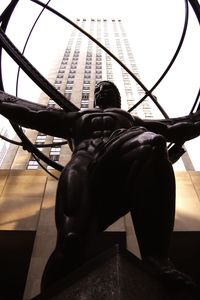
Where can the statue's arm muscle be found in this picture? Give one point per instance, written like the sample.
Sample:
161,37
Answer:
54,122
176,130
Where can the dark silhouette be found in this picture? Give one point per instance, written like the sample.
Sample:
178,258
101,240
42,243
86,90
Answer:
119,164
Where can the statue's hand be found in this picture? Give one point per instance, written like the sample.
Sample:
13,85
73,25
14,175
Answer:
6,98
192,130
185,131
1,97
196,116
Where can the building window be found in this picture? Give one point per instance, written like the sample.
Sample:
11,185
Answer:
57,140
40,139
70,81
32,165
87,76
58,81
55,151
67,95
84,105
60,76
69,87
85,96
54,157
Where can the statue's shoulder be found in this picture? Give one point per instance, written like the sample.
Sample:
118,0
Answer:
89,111
87,114
119,112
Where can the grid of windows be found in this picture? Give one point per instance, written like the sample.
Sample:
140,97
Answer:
72,71
87,72
40,140
32,164
55,153
145,104
98,73
98,65
109,69
126,78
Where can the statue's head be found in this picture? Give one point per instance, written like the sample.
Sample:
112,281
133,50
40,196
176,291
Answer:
106,94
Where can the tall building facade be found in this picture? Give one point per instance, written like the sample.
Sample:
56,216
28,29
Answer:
79,68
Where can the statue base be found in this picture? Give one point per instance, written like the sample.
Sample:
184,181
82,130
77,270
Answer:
115,274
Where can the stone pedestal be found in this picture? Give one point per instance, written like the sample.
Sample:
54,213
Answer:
114,275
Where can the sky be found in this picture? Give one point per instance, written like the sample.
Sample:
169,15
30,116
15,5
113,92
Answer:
153,28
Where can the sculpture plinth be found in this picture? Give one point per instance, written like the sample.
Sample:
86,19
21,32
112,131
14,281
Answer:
116,274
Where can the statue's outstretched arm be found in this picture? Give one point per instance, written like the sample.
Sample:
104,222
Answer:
175,130
54,122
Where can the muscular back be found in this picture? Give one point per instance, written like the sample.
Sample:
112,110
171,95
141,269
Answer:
99,124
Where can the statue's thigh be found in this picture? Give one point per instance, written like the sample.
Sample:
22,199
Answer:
109,193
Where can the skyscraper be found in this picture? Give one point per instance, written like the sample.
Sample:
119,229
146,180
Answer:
81,66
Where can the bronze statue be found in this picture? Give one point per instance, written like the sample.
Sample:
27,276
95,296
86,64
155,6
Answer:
119,164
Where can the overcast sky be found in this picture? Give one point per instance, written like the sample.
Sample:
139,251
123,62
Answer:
153,27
